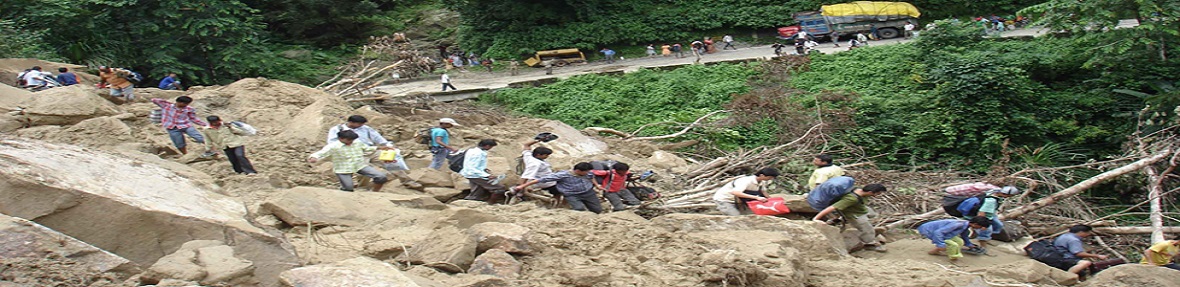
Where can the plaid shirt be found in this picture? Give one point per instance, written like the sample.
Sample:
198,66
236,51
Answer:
347,159
174,118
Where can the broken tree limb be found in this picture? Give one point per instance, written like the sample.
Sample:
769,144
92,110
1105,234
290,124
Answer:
1085,184
1135,230
916,218
598,130
632,137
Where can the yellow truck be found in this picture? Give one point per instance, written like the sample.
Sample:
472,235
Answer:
557,58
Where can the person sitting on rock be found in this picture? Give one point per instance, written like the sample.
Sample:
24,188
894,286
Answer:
854,207
824,170
484,185
535,167
348,157
746,189
1073,251
613,183
227,137
1163,254
951,235
370,136
576,185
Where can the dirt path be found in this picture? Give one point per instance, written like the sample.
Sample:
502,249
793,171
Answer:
473,79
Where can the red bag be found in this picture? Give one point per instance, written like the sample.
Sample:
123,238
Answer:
772,206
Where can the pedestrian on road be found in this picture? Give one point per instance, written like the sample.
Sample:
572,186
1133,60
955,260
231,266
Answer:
651,50
514,67
178,119
836,38
909,30
666,50
728,42
348,158
440,142
228,138
778,48
698,48
487,63
610,55
446,82
709,47
873,32
678,49
864,40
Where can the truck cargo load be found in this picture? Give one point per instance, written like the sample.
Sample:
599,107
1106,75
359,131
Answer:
868,11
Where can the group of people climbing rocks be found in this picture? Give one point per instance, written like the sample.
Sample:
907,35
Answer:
350,146
973,208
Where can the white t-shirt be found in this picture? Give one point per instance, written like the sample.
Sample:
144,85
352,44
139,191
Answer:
535,168
727,38
725,192
909,27
803,34
446,79
32,78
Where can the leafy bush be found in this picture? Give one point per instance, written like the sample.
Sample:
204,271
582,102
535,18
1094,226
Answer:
632,100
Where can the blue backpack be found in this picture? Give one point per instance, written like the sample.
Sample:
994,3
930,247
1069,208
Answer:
829,192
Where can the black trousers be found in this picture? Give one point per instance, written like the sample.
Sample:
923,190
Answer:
237,158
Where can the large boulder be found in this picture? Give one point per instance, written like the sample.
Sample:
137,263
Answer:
506,237
1030,271
430,177
666,160
311,205
446,248
92,195
571,142
11,97
66,105
813,239
1135,275
497,263
796,203
360,271
21,238
209,262
442,193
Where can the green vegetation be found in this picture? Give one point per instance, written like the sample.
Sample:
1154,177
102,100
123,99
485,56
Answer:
206,41
511,28
636,99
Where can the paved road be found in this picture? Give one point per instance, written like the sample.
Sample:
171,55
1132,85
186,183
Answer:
475,79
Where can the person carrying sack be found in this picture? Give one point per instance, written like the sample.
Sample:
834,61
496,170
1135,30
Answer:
745,189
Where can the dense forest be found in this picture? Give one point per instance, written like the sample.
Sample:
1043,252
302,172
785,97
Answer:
218,41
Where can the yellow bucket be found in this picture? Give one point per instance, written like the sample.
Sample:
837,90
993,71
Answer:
388,155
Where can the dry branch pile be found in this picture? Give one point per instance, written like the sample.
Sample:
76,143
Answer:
377,62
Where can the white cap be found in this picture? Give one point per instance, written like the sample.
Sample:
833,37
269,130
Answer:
448,121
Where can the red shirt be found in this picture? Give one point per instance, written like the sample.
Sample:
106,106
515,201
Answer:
611,180
176,118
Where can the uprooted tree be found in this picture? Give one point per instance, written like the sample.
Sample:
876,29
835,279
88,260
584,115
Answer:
377,63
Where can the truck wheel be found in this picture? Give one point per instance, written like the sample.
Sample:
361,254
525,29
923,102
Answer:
888,33
560,63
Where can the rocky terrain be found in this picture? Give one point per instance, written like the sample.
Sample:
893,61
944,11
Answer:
93,194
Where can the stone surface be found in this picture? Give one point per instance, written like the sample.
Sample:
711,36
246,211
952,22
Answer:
429,177
221,266
180,265
73,190
360,271
497,263
797,203
812,239
666,160
585,278
446,248
443,194
1135,275
506,237
1031,271
571,142
21,238
301,206
66,105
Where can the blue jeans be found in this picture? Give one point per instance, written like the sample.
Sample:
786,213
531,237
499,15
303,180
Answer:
440,156
177,136
986,233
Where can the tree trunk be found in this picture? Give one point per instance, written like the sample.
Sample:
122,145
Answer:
1153,193
1085,184
915,218
1135,230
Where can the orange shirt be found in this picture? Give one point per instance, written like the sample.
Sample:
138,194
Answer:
114,79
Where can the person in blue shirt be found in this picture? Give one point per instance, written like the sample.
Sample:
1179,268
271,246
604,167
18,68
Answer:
951,235
610,55
440,142
484,185
66,78
170,83
576,186
1072,250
